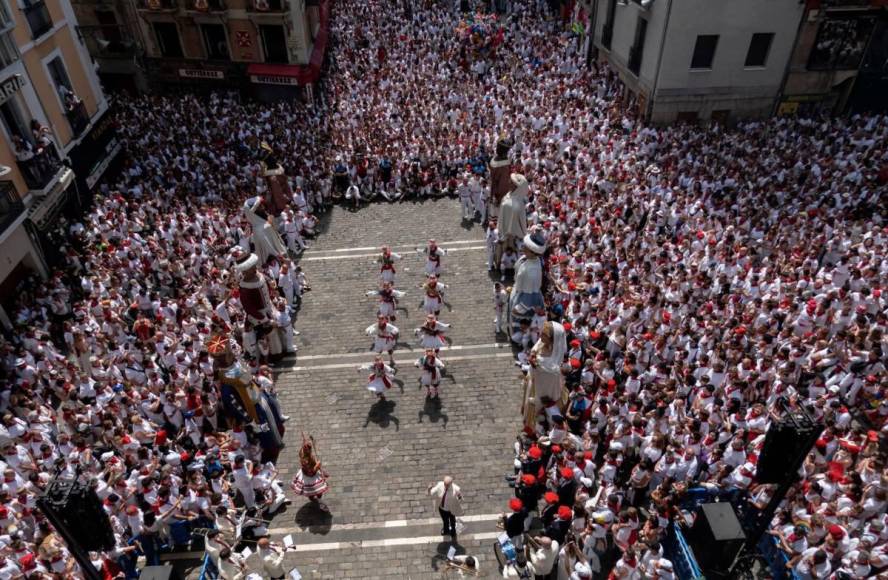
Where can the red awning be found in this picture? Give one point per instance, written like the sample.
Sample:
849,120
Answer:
278,74
293,74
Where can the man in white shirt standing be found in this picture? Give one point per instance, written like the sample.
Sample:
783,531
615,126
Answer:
272,559
448,500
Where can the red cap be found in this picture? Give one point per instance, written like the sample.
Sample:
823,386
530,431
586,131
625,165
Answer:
515,504
551,497
28,561
565,513
836,532
535,452
567,472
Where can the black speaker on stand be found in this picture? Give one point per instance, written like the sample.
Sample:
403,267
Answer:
716,538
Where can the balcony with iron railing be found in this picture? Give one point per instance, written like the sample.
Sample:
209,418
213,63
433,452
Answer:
267,6
159,5
37,15
41,168
11,205
206,6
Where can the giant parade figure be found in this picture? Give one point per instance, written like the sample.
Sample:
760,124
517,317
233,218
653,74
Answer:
246,405
255,295
500,177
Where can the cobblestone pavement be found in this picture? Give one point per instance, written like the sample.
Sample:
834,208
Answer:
382,456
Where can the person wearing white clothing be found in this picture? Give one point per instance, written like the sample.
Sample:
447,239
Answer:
272,559
353,194
230,566
448,502
465,199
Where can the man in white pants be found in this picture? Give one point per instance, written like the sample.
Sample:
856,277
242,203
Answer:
243,480
500,299
465,199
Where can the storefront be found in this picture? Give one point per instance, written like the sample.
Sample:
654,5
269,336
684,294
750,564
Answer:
272,82
97,154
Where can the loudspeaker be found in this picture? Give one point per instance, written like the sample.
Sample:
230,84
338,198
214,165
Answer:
716,537
786,442
158,573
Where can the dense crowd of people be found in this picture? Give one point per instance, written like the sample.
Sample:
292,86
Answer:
697,284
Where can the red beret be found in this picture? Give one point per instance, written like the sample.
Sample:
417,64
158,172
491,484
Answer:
575,342
567,326
700,234
567,472
565,513
740,330
836,532
551,497
515,504
574,363
594,334
872,436
556,449
535,452
528,479
587,455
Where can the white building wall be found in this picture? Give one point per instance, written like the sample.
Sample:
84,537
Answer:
728,85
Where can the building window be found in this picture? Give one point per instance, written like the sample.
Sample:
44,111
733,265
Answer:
274,43
636,51
73,106
759,47
8,49
704,51
840,43
687,117
607,32
215,38
38,17
168,39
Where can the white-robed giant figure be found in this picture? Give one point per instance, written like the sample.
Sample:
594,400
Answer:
266,239
513,212
527,292
545,383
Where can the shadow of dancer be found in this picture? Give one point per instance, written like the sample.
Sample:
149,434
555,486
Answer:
381,414
314,519
432,410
